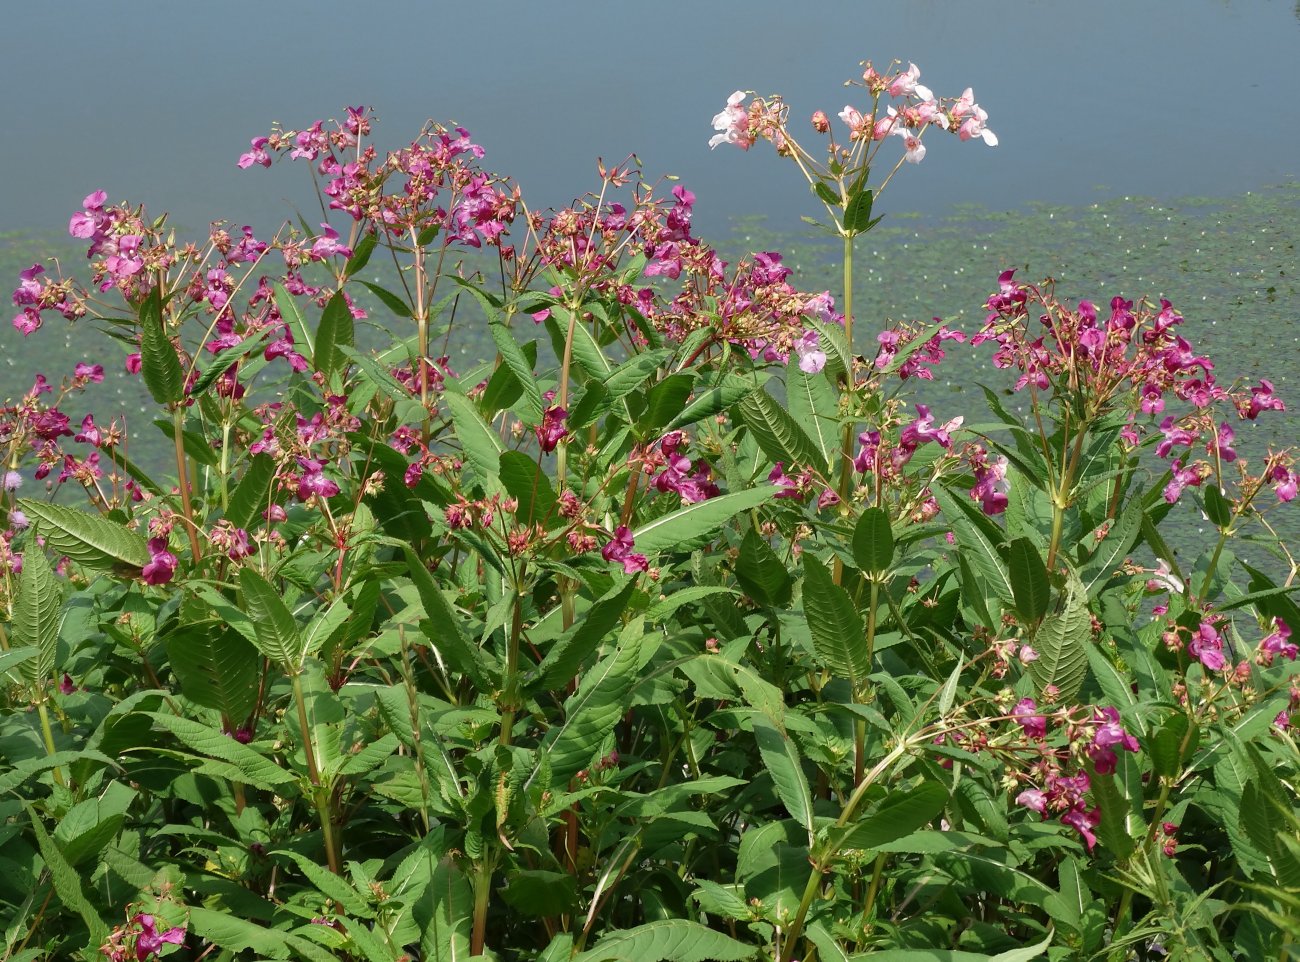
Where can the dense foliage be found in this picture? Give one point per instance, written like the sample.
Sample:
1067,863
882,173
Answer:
678,630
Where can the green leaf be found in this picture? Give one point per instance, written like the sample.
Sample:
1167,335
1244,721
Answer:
443,914
67,884
160,366
276,631
1029,584
337,331
90,540
857,214
570,651
87,827
1114,685
1166,745
1103,563
1217,507
515,360
590,713
389,299
444,627
713,399
360,255
899,815
838,635
37,616
256,769
1062,642
217,668
978,539
665,401
632,373
812,402
222,362
293,318
761,573
668,940
698,520
873,541
586,351
328,884
481,444
776,432
538,893
526,482
196,446
826,193
781,758
252,495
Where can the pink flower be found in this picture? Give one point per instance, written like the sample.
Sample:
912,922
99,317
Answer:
327,244
732,124
552,430
620,549
28,322
906,85
972,119
1207,647
257,155
1033,799
150,940
1278,643
162,563
1026,716
811,358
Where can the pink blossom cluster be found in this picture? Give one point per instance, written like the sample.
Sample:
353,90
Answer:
1092,739
914,109
140,940
432,185
690,480
619,549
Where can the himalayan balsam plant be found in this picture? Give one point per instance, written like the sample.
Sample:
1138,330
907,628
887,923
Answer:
674,624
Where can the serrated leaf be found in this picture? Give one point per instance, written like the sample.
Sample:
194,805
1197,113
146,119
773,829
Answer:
89,540
1166,745
857,214
252,495
1062,642
899,815
160,366
294,320
665,401
668,940
565,657
632,373
482,445
838,634
222,362
1102,564
713,399
776,432
445,631
328,884
526,482
1029,584
337,330
978,539
256,769
761,573
697,520
360,254
591,712
87,827
873,541
812,402
217,668
275,630
37,615
67,884
782,761
515,360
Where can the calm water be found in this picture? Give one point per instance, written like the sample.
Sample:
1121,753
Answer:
153,101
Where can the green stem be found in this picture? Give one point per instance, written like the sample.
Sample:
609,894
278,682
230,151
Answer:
510,691
182,478
846,433
47,733
319,791
876,871
482,895
861,692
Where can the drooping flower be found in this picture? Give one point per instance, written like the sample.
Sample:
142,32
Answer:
162,563
732,124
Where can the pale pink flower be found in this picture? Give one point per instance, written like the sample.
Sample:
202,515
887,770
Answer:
732,124
906,85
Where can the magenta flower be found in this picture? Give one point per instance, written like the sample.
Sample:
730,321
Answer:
313,481
552,430
1278,643
150,941
1026,716
620,549
162,563
1207,646
257,155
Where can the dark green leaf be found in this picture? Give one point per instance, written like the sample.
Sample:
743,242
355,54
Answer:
665,401
857,215
873,541
900,814
776,432
160,366
1062,642
781,758
698,520
566,656
525,481
838,635
711,399
360,255
522,369
37,615
761,573
276,631
481,444
90,540
444,627
337,331
252,495
389,300
1029,584
668,940
216,666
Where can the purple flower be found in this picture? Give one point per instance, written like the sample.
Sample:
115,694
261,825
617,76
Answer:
162,563
1026,716
150,940
620,549
552,430
1207,646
